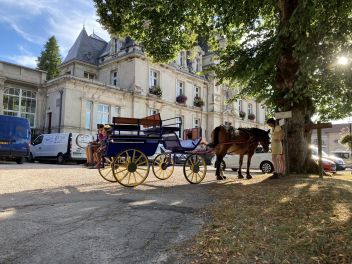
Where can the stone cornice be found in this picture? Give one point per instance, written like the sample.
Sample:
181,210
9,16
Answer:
17,81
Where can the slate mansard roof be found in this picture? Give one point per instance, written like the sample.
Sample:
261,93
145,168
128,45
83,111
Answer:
91,48
86,48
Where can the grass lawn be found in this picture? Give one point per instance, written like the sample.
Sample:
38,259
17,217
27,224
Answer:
299,219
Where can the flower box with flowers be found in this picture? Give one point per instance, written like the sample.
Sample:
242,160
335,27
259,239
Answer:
181,99
242,114
198,102
251,117
156,90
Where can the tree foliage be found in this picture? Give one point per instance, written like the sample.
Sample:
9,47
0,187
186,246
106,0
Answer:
256,33
50,59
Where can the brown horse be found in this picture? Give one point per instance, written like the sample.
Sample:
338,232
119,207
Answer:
243,141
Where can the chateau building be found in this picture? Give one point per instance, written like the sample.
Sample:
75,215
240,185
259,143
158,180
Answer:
99,80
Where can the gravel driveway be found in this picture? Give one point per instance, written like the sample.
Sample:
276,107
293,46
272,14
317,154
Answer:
68,214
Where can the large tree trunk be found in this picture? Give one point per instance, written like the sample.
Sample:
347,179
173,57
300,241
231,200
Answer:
287,72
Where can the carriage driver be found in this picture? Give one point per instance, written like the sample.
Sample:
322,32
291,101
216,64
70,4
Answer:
92,147
277,136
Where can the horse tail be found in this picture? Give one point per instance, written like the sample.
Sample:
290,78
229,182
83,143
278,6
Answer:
216,136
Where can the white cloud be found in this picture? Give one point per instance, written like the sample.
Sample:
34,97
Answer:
24,60
16,27
62,18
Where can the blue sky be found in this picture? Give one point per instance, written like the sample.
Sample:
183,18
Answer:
25,26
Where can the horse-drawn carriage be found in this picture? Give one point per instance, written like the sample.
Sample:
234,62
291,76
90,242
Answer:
132,140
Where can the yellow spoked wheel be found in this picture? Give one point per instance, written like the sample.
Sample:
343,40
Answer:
131,167
194,168
163,166
106,171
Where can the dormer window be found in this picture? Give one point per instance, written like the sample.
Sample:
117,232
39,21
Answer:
89,75
198,64
116,45
182,58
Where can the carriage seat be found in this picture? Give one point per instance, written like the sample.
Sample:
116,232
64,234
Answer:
173,143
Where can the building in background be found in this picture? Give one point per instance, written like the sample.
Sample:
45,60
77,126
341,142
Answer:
331,137
23,93
99,80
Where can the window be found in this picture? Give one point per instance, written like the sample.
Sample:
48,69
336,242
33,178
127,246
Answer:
88,109
197,91
38,140
250,109
182,58
115,112
228,123
180,123
117,45
180,88
103,114
89,75
153,78
21,103
152,111
196,122
198,64
114,78
240,105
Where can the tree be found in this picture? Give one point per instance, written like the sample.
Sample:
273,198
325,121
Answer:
281,52
50,59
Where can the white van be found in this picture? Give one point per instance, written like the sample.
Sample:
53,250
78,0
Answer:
60,147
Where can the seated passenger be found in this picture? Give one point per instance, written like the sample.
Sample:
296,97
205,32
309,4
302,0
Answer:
98,154
92,147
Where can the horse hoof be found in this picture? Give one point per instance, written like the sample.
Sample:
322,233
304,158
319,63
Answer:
220,178
240,176
249,177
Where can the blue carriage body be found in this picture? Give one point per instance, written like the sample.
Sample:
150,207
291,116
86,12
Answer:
147,146
132,133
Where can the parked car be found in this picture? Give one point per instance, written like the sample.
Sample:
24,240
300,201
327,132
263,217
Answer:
179,158
340,163
263,161
15,136
328,165
60,147
260,160
345,155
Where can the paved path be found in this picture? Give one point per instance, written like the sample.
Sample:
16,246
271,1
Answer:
68,214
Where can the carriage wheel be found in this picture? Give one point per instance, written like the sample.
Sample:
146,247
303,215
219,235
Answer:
163,166
131,167
195,168
106,171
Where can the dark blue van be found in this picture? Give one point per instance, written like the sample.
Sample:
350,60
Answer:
15,136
